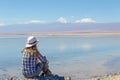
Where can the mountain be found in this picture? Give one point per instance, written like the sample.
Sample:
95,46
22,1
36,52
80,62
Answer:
61,27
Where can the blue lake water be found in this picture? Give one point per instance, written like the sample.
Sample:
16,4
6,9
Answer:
76,56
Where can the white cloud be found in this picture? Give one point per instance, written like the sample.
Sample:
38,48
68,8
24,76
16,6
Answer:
62,20
85,20
2,24
72,16
35,22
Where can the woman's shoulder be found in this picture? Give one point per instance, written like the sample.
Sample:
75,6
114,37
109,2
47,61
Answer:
23,51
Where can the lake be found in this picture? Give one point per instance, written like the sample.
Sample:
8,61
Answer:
77,56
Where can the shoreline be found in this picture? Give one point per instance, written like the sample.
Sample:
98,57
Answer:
112,76
64,34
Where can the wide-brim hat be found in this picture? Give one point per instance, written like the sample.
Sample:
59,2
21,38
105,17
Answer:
31,41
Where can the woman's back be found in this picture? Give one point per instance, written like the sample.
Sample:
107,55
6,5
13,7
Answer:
29,63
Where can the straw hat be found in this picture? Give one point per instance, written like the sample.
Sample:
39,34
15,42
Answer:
31,41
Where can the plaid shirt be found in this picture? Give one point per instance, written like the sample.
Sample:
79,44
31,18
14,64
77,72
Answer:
29,63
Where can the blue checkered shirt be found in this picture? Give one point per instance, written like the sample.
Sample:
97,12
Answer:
29,63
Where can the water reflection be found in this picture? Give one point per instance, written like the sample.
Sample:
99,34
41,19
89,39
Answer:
75,56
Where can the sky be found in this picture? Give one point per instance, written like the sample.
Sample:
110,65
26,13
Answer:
63,11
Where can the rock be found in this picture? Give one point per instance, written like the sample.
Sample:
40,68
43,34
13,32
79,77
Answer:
115,76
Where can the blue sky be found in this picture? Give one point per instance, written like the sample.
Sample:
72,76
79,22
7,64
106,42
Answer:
65,11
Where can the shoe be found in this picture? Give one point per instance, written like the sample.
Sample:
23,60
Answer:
48,73
42,74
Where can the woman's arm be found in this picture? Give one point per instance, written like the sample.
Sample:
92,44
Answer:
42,58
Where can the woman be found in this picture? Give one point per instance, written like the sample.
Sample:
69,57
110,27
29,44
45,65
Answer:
33,63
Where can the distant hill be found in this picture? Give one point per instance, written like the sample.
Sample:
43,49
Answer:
61,27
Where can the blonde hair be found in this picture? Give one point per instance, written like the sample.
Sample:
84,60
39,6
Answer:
32,50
